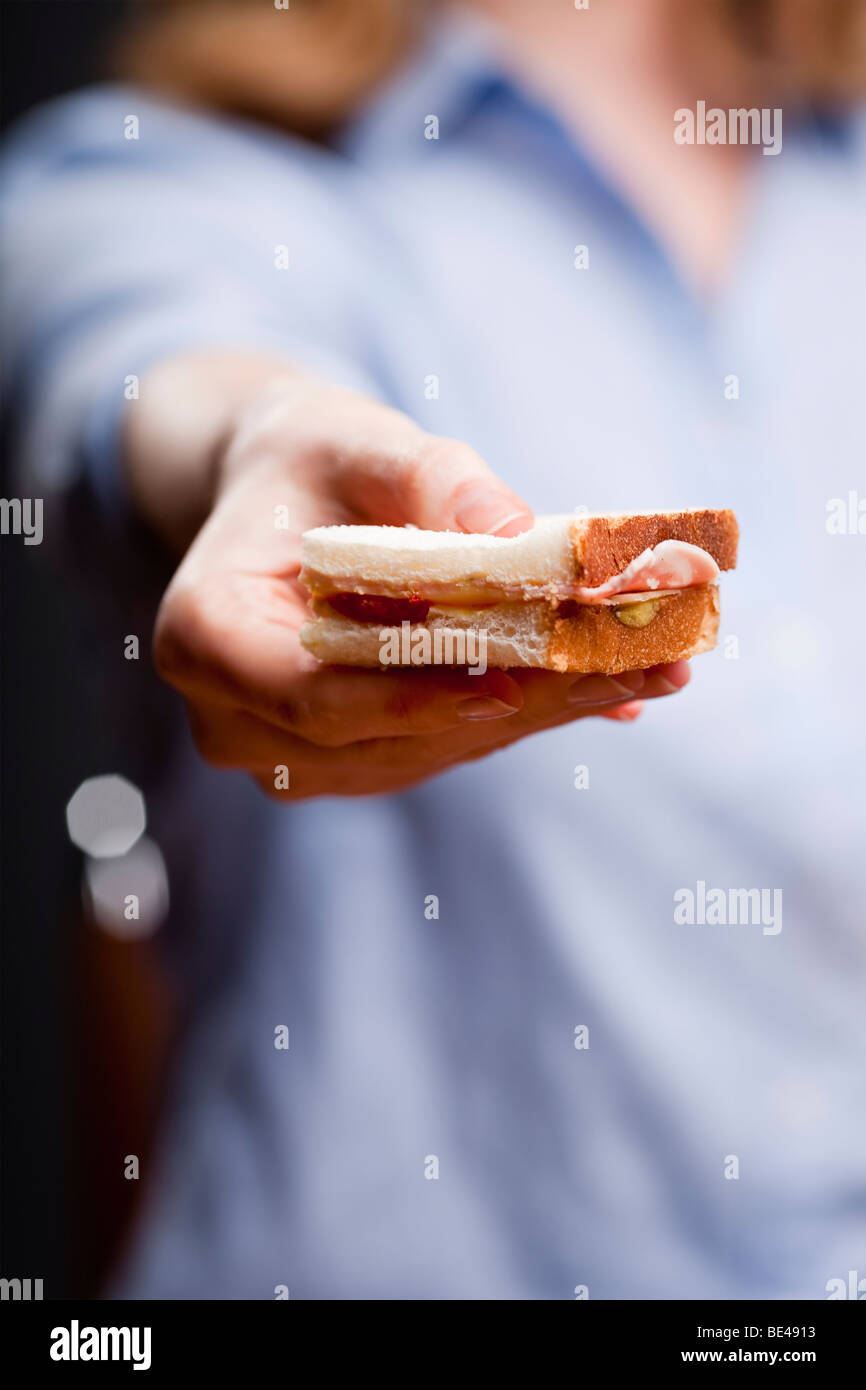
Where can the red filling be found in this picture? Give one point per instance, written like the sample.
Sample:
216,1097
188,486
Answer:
376,608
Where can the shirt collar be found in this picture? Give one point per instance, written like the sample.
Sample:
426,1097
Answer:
456,69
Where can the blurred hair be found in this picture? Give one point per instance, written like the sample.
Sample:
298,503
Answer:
304,69
308,67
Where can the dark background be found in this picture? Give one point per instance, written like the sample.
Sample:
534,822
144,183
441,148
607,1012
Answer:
53,736
51,46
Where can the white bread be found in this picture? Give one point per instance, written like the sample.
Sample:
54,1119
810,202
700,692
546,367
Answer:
378,559
546,561
590,639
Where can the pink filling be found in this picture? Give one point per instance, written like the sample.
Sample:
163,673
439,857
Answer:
668,565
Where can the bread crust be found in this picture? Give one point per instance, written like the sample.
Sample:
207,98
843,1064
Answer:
590,639
603,545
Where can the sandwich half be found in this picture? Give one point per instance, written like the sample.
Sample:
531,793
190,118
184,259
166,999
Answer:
611,592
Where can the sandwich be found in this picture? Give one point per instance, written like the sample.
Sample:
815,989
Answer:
604,593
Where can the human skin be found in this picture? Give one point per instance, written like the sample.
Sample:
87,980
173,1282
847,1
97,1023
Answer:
615,73
213,447
217,441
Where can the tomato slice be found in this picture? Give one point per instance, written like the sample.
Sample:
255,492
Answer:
377,608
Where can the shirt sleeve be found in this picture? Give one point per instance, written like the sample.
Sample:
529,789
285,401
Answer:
133,231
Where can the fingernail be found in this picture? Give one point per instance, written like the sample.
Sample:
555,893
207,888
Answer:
625,713
667,686
484,707
661,677
599,690
482,509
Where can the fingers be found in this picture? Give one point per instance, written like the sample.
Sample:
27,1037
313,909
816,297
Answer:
626,713
373,463
435,484
341,707
546,705
232,643
338,706
227,633
258,700
546,695
232,738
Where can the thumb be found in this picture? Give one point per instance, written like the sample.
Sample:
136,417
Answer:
456,491
436,484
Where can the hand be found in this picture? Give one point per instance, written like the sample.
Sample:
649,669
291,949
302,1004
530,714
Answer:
227,631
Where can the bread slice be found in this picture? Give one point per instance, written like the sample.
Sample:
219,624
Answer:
574,637
536,599
604,544
462,569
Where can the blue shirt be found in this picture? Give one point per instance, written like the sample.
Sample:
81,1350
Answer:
710,1141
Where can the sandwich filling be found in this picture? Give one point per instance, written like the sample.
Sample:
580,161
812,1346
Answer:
661,571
